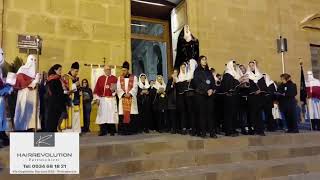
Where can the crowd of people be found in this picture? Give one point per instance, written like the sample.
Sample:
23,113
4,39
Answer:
196,100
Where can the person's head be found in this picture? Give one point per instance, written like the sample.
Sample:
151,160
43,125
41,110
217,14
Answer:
175,73
203,61
219,76
235,65
151,82
252,66
285,77
183,68
107,70
159,79
75,69
243,69
55,69
85,83
125,68
143,78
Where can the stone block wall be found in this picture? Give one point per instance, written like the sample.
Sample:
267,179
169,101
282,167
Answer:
248,29
82,30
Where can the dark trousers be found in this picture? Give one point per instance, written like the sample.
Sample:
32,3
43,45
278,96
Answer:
128,128
256,104
161,120
185,110
172,119
267,109
218,110
315,124
290,114
243,111
145,118
205,120
230,114
107,128
86,117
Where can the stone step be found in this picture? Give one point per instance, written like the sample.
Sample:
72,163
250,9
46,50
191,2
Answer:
305,176
103,156
246,170
194,159
95,148
190,159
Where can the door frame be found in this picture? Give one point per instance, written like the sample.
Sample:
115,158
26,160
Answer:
165,38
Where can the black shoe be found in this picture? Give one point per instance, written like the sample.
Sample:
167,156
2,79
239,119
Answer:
244,132
184,132
261,134
102,134
193,133
251,132
111,134
203,135
213,135
146,131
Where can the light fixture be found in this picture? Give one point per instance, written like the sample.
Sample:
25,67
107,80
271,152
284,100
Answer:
139,25
150,3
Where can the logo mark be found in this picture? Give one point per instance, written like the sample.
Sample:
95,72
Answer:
44,140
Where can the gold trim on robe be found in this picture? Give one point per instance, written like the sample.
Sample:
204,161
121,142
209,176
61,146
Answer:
67,123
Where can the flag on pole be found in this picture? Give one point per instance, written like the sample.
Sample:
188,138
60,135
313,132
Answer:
303,88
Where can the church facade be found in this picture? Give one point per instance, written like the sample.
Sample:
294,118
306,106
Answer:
90,30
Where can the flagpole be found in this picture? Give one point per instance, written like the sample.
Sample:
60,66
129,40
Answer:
305,103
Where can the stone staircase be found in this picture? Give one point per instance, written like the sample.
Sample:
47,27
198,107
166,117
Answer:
276,156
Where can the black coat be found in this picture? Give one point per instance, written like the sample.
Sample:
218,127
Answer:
289,90
229,84
203,81
87,95
57,102
172,94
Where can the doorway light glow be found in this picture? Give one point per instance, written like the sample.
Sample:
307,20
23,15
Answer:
139,25
150,3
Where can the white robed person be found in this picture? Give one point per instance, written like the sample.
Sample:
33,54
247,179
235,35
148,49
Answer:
127,89
313,100
105,96
26,84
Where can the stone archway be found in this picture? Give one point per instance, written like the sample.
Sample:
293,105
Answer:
311,22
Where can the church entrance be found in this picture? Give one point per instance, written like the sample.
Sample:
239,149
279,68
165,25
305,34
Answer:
150,47
152,38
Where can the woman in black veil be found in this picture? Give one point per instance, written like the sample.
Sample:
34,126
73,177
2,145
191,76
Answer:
187,47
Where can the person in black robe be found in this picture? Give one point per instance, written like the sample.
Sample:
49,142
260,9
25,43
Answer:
256,98
229,86
43,99
87,100
187,47
270,98
160,104
218,108
204,85
172,96
185,100
287,102
144,102
57,100
243,113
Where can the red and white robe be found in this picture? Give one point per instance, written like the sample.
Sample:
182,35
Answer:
127,85
107,111
25,112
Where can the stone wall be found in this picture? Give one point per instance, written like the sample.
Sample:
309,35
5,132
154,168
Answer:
83,30
248,29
